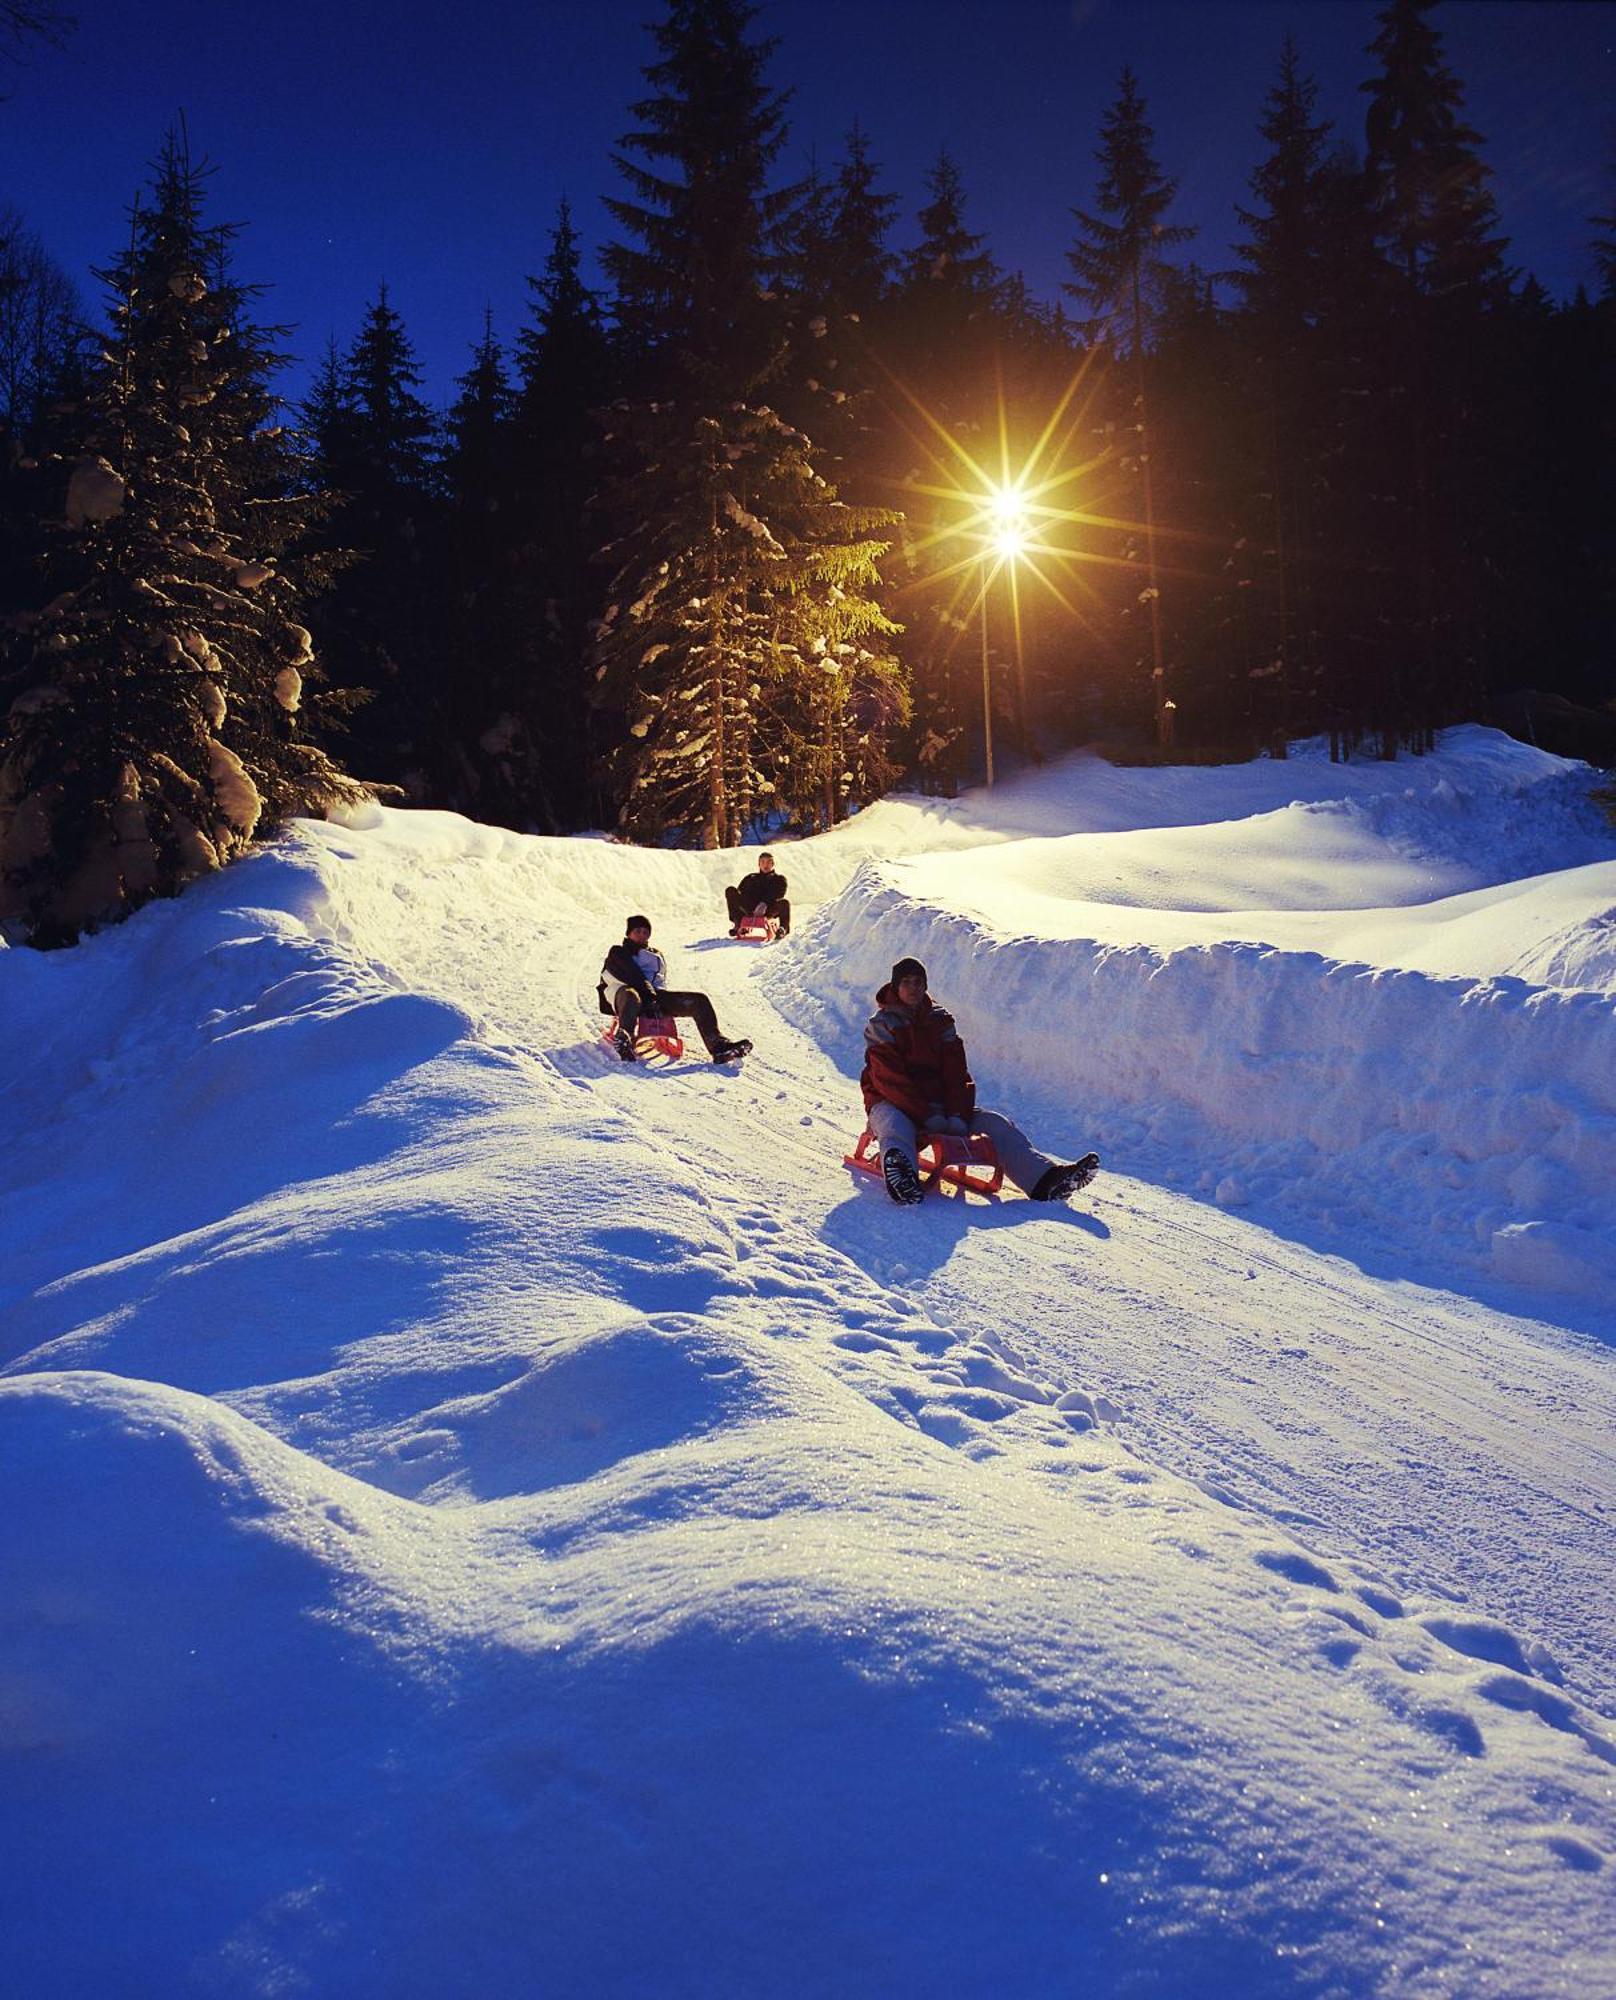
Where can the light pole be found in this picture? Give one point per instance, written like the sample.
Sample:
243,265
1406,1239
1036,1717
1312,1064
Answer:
1005,537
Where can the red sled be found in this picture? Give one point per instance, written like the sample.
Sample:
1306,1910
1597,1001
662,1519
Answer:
661,1031
971,1164
758,930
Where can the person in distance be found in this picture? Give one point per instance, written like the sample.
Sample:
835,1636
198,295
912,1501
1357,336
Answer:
761,894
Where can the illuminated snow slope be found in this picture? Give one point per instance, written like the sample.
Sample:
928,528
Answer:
477,1518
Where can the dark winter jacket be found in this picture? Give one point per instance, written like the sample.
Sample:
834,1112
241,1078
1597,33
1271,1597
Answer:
626,967
916,1060
761,888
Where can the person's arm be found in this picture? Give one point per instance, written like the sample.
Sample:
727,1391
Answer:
622,965
959,1091
889,1071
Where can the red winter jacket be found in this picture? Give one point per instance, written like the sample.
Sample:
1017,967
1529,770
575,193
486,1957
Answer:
916,1060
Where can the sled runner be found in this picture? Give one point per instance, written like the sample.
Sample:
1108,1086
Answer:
760,930
661,1031
972,1164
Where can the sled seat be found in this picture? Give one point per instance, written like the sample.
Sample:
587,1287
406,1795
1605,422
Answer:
758,930
971,1164
661,1031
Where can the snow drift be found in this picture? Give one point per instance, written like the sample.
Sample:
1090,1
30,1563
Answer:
477,1518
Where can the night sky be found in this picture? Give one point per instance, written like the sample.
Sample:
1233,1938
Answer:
427,144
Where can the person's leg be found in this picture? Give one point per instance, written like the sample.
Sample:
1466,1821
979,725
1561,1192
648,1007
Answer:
627,1009
732,898
781,912
892,1128
1023,1164
693,1007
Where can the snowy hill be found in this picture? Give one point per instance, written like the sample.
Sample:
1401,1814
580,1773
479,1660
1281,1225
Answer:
480,1518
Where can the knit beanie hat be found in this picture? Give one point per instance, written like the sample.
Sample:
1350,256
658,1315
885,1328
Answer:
908,965
636,924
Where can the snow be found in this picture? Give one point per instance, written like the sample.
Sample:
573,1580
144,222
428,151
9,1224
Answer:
480,1517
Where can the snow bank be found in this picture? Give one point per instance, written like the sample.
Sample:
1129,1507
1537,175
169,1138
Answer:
1464,1121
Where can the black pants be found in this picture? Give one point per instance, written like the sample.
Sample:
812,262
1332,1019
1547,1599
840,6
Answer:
779,909
682,1006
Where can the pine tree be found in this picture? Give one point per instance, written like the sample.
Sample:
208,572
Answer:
861,218
469,757
1436,214
157,706
565,363
1436,226
1114,263
394,432
691,289
734,562
376,447
1282,293
949,260
742,645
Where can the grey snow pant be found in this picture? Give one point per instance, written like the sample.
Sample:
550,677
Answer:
1023,1164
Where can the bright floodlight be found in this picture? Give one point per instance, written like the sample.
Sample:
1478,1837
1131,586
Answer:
1008,533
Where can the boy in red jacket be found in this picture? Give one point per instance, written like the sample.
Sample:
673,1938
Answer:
916,1080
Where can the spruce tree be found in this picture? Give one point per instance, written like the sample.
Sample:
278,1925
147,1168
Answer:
1114,262
949,261
691,287
861,218
1437,229
376,447
1282,293
735,565
1436,214
566,371
742,645
471,761
157,707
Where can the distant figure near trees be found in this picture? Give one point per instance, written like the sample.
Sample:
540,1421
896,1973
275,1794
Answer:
760,894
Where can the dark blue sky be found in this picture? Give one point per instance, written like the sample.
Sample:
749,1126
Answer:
427,143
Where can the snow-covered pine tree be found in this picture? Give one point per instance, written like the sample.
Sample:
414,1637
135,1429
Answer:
734,562
742,645
157,706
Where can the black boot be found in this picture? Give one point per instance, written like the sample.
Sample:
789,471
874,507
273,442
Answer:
901,1177
1060,1183
724,1051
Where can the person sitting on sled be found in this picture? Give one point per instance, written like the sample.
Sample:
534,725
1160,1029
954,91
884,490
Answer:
762,894
631,984
916,1080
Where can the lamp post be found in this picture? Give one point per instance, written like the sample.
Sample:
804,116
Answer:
1004,537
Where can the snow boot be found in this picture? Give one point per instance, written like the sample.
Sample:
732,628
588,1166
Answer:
623,1042
725,1051
1060,1183
903,1181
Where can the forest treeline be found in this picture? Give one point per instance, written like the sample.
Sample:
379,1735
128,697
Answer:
712,545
